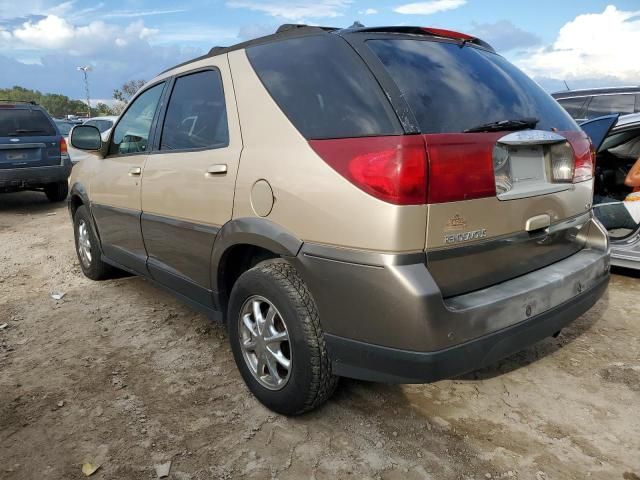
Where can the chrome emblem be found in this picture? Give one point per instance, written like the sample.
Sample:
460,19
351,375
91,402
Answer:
457,222
14,139
465,236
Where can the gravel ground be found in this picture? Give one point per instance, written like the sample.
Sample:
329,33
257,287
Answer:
122,375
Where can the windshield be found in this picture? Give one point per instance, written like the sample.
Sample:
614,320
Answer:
452,89
15,122
64,128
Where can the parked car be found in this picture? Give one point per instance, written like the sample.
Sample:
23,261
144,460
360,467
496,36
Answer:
394,204
104,124
33,153
596,102
64,127
619,150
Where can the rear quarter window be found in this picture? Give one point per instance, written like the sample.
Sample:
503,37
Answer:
324,88
17,122
452,88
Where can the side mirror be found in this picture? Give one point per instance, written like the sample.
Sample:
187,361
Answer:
86,137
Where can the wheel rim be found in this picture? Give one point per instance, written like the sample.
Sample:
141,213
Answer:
264,340
84,244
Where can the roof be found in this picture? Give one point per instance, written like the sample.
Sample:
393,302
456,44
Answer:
595,91
287,31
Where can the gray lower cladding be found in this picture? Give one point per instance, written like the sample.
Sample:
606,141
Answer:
121,236
493,261
393,300
34,177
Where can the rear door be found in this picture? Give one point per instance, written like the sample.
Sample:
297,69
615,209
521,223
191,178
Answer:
188,188
28,138
498,206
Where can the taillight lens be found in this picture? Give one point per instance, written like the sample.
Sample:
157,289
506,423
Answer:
562,162
461,166
391,168
584,156
63,147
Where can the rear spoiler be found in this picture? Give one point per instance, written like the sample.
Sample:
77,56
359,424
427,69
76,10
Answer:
433,32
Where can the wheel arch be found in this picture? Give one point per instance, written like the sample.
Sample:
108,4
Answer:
242,243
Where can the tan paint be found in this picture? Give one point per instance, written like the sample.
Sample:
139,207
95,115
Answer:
312,201
176,184
113,185
503,217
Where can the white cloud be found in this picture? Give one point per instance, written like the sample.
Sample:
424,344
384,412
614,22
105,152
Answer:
591,46
428,8
368,11
295,10
56,33
139,13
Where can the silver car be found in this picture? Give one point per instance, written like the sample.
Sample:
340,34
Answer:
615,205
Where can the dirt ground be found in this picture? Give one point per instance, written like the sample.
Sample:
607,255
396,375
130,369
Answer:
121,374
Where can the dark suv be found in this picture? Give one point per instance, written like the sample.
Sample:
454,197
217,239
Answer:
33,154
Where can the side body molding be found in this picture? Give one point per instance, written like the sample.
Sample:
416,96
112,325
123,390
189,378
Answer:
259,232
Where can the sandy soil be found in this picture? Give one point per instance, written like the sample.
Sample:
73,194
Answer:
123,375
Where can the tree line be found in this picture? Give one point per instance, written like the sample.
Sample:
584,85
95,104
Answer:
60,105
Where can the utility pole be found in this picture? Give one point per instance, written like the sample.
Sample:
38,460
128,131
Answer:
84,70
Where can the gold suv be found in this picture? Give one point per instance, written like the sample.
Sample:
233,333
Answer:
394,204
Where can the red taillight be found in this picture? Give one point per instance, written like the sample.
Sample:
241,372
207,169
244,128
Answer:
441,32
63,146
461,166
391,168
584,156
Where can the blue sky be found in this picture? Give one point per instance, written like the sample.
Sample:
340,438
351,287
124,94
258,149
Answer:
586,43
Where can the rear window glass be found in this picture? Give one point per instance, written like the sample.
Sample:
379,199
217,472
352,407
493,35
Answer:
451,89
324,88
16,122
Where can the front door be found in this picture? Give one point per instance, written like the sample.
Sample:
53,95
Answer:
187,193
115,185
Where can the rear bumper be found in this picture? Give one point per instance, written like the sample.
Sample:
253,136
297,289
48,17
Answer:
21,178
385,318
364,361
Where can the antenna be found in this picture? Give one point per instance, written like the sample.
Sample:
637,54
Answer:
566,85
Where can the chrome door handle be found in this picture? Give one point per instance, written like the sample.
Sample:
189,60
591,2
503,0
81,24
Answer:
218,169
135,172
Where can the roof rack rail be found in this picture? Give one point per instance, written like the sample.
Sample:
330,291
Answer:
6,100
216,50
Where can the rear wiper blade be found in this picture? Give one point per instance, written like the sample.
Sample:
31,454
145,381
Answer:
511,125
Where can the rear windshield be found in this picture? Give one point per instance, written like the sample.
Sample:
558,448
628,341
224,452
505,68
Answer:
15,122
324,88
452,88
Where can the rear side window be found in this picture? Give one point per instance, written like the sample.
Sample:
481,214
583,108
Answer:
451,89
196,116
324,88
608,104
17,122
574,106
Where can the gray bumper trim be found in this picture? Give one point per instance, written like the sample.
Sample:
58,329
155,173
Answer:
35,176
396,303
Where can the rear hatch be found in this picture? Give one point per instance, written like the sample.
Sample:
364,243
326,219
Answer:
28,138
509,172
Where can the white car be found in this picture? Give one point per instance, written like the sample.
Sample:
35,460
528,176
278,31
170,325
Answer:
104,124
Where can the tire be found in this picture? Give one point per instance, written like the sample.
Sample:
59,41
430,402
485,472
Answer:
92,265
57,192
309,382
